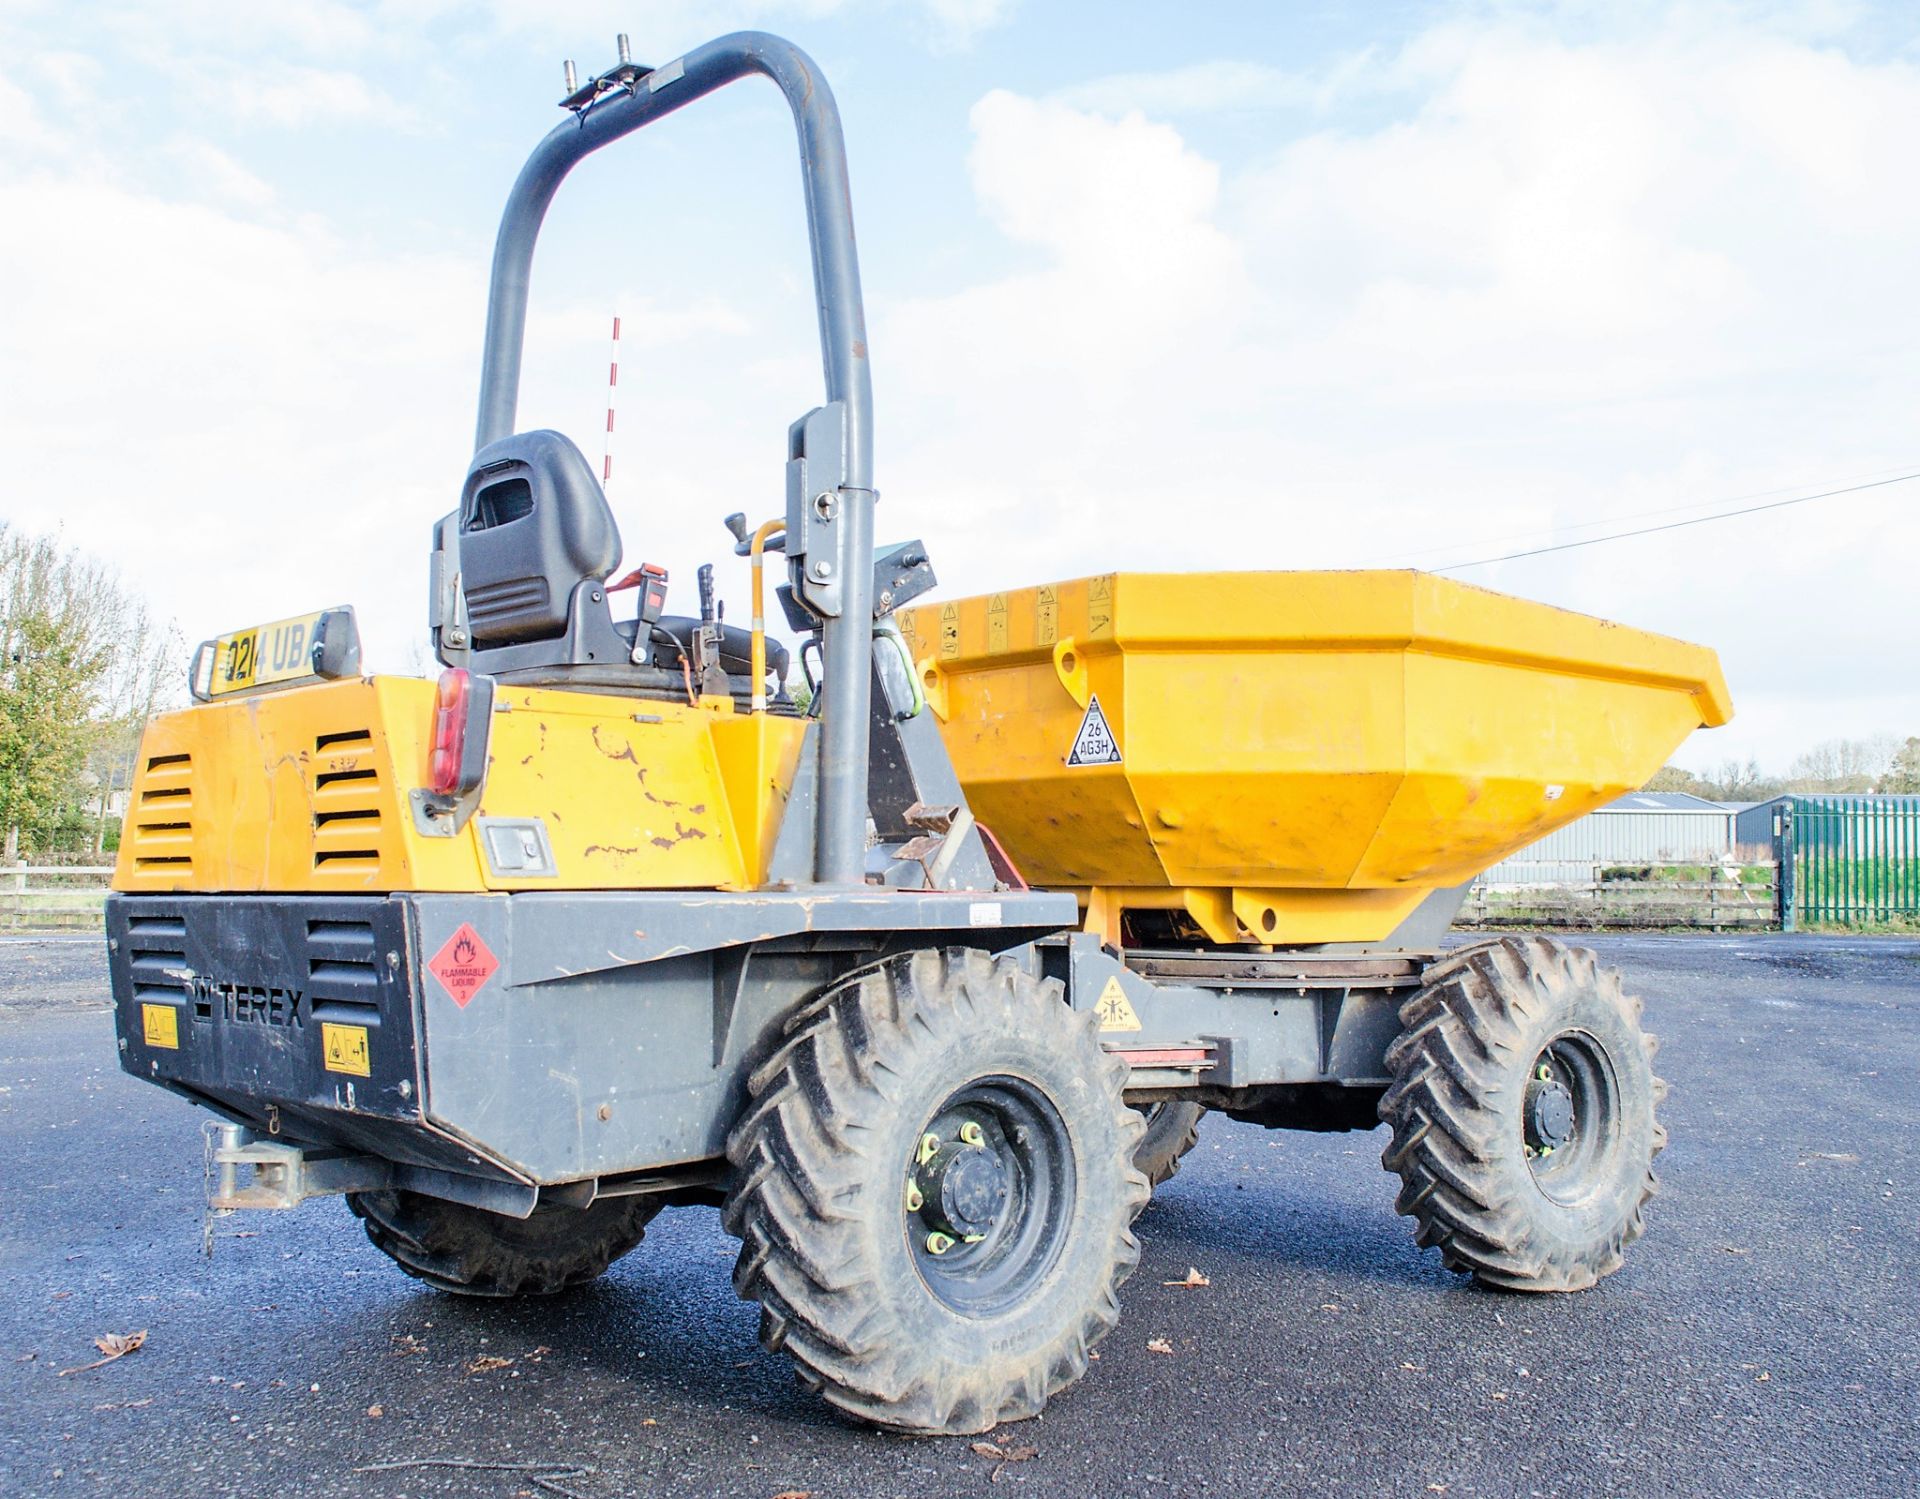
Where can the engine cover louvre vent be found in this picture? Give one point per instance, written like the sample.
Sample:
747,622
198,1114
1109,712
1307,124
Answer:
156,944
343,965
160,826
349,805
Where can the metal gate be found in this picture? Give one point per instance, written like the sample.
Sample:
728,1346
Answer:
1854,860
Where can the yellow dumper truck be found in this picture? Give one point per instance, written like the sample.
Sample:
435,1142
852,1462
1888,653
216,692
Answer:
923,979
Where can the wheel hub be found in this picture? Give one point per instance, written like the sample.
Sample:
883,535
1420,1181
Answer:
963,1189
1549,1113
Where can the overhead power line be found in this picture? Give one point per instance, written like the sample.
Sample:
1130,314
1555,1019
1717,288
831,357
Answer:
1698,520
1551,533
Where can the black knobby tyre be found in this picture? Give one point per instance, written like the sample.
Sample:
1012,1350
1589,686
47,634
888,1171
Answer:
471,1252
1522,1108
1172,1129
935,1192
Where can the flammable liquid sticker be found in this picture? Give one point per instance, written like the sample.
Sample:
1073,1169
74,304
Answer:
464,964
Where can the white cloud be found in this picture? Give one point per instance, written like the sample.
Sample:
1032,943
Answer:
1562,282
212,173
248,414
291,96
1196,88
957,22
199,395
678,24
305,96
20,122
322,28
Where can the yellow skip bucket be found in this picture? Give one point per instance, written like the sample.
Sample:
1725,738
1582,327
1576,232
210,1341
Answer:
1291,757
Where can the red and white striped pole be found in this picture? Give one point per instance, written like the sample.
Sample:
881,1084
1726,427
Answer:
613,381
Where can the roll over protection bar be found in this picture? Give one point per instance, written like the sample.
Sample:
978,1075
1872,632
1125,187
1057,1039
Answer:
840,844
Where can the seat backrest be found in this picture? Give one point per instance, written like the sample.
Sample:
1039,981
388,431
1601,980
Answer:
534,525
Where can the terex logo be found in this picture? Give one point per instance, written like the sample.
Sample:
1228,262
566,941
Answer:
254,1004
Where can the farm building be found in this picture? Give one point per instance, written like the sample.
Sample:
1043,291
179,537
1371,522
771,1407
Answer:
1643,827
1872,823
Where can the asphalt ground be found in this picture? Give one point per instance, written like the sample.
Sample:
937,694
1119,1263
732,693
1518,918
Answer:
1763,1339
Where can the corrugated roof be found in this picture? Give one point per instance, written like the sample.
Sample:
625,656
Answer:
1663,801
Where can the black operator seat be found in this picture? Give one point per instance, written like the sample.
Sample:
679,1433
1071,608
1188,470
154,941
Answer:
534,526
537,543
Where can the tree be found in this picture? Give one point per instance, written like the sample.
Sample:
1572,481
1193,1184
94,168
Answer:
1842,765
1673,778
79,660
143,677
1737,782
1903,775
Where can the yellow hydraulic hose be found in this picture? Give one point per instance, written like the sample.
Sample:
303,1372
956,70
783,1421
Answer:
768,530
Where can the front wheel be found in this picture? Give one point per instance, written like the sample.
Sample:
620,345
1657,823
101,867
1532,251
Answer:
1522,1108
471,1252
935,1193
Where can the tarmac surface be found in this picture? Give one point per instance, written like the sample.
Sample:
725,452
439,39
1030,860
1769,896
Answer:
1763,1339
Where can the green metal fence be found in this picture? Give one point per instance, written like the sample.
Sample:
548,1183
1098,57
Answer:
1855,859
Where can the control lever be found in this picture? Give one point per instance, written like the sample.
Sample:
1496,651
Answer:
706,641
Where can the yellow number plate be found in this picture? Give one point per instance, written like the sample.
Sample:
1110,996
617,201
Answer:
264,655
345,1048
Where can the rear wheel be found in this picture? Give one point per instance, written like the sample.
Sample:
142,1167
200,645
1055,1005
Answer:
472,1252
935,1191
1172,1129
1523,1119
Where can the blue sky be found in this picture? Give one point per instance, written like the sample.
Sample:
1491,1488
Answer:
1235,285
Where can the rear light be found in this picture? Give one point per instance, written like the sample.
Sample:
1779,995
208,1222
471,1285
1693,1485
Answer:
449,731
462,706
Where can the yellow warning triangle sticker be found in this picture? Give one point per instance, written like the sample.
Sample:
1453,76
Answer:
1116,1011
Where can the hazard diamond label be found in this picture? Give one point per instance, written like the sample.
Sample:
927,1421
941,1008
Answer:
1094,744
464,965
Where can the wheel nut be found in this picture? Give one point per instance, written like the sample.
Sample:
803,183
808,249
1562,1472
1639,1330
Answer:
939,1243
970,1135
915,1201
929,1148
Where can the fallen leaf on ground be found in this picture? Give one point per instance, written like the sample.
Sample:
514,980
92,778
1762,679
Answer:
376,1411
1159,1345
114,1345
1844,1157
487,1363
1193,1278
794,1494
1735,1249
1415,1368
1002,1455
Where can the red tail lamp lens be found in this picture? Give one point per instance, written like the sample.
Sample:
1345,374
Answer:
449,731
